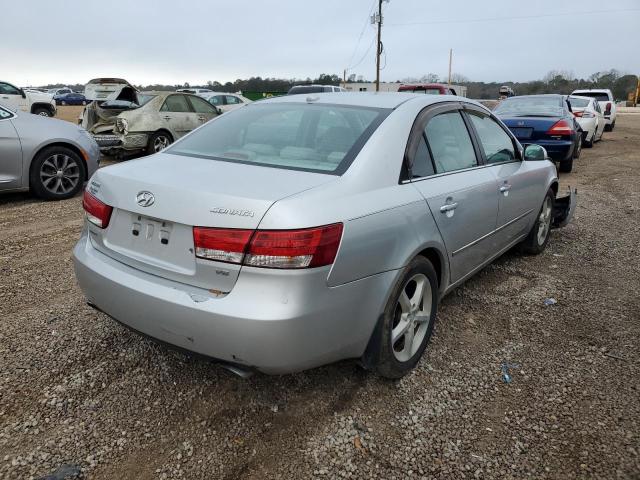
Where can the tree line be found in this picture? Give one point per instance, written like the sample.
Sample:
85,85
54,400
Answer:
556,81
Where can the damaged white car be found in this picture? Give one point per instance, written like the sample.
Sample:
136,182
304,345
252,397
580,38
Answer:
132,122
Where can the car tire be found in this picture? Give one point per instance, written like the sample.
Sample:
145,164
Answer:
566,166
396,354
578,150
57,173
43,112
538,237
613,125
589,143
157,140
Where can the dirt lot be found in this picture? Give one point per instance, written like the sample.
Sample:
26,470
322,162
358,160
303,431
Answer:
77,389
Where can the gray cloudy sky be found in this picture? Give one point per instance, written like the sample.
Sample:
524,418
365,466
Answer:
161,41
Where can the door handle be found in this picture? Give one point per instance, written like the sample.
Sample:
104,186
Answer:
505,188
167,117
449,207
202,118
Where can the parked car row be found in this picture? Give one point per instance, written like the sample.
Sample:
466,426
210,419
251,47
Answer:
560,123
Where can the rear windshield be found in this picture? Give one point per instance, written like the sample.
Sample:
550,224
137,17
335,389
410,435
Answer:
143,99
309,89
577,102
427,91
599,96
316,138
530,107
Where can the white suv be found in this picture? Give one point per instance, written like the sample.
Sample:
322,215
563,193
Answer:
606,102
27,100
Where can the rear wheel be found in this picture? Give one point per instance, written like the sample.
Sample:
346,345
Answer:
56,173
538,237
408,320
158,142
43,112
589,143
566,166
578,148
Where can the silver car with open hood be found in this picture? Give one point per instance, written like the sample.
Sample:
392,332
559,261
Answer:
298,231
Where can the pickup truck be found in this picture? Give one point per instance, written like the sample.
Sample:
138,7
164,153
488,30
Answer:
27,100
606,102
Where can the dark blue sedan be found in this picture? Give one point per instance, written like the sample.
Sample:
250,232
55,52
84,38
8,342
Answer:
71,99
545,120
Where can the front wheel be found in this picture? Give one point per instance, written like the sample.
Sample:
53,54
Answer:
566,166
538,237
408,320
56,173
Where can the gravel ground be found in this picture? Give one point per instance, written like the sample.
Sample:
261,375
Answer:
79,393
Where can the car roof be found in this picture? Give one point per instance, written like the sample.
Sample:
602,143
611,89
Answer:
367,99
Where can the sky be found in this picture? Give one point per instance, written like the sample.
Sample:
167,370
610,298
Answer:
168,42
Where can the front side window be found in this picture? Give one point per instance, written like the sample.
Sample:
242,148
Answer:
176,103
7,89
311,137
450,143
201,106
496,143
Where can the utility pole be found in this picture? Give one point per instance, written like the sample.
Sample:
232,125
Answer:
450,60
378,45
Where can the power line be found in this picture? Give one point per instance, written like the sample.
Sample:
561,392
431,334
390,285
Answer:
521,17
364,27
365,54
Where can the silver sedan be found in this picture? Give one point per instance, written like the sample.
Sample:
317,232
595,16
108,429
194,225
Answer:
299,231
49,157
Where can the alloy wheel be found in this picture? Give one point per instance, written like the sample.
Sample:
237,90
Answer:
544,220
412,317
160,143
59,174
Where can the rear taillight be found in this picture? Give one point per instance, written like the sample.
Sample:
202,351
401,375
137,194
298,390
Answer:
305,248
221,244
588,115
97,212
608,107
311,247
577,114
561,127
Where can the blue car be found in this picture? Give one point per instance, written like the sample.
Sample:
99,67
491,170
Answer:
545,120
71,99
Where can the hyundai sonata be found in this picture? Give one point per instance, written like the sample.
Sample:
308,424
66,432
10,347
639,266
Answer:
298,231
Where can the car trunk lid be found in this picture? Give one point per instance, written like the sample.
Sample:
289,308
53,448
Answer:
529,129
158,200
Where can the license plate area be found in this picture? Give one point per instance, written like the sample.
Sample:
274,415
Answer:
151,241
523,133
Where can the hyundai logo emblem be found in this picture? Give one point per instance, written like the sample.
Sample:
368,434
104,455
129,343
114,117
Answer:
145,199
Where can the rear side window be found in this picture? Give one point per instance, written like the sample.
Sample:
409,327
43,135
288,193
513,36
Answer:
231,100
176,103
497,145
450,143
4,114
422,165
311,137
201,106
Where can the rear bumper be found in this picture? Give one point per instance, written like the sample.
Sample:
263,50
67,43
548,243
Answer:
274,321
558,150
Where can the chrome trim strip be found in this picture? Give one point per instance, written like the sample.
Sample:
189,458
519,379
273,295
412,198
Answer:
478,240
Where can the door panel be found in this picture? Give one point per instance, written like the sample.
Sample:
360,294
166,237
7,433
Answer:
464,205
10,156
178,116
462,193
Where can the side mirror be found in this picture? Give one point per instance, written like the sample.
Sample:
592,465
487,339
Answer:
534,153
24,95
219,110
